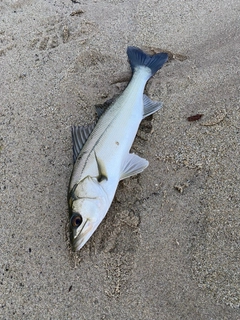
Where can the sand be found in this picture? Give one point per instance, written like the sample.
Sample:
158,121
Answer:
169,246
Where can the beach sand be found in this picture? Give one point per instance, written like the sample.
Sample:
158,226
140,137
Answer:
169,246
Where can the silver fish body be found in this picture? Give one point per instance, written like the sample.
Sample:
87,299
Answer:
101,153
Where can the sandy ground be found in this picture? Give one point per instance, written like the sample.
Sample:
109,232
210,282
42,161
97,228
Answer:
169,246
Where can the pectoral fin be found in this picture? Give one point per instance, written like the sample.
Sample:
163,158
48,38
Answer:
101,169
150,106
133,165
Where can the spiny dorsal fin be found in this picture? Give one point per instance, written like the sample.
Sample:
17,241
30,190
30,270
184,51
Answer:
80,135
149,106
133,165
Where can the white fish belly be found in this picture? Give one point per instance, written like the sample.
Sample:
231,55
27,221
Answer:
114,134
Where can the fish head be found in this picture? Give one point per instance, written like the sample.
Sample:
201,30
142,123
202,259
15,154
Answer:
86,213
86,217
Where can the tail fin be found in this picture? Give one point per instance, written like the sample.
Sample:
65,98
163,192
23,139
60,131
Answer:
138,58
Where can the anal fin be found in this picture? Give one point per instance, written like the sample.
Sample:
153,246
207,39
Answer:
150,106
133,165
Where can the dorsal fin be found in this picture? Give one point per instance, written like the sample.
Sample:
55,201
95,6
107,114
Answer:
101,108
80,135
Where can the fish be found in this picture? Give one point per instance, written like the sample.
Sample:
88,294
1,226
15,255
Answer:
101,150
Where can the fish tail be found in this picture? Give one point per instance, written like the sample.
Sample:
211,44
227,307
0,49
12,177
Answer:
139,58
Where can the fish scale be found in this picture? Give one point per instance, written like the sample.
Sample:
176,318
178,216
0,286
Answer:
102,153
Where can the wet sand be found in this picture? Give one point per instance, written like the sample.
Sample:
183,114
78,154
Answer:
169,245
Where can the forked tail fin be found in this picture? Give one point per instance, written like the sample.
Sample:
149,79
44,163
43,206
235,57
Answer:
139,58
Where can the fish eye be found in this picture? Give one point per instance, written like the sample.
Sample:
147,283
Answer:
76,220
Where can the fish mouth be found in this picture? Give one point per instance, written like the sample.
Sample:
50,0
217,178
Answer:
81,236
77,244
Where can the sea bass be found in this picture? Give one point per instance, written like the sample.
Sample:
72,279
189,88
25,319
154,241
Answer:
101,152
